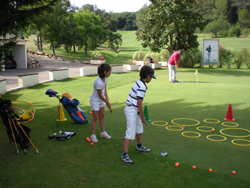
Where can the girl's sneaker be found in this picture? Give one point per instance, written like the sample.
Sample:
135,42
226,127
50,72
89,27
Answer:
126,159
105,135
143,149
93,138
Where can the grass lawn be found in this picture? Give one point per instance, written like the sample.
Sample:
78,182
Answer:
75,163
130,45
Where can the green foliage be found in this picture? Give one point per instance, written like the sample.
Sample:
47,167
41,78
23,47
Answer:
139,55
245,31
190,58
96,55
165,56
140,15
246,56
224,56
154,56
244,18
238,58
170,24
234,31
217,26
90,29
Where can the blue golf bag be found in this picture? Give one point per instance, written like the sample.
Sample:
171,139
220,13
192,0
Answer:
70,105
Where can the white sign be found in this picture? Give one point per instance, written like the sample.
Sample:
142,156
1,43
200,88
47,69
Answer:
210,52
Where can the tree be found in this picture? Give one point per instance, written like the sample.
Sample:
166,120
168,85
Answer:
170,24
140,15
16,15
244,18
55,29
90,29
109,21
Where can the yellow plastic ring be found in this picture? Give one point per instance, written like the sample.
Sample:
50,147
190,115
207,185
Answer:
233,142
221,131
211,121
198,123
208,137
154,123
174,129
198,134
236,124
210,128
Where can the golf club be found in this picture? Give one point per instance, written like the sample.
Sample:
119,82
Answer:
122,138
164,154
179,76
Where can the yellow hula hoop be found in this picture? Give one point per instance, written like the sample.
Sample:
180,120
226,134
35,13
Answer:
198,123
210,128
236,124
221,131
198,134
225,138
165,123
233,142
174,129
211,121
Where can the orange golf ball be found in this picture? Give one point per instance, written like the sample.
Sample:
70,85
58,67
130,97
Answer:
177,164
210,170
233,172
194,167
183,126
212,130
91,144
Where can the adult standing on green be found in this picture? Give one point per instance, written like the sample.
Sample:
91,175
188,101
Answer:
173,63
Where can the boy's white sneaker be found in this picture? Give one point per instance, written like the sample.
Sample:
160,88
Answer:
93,138
105,135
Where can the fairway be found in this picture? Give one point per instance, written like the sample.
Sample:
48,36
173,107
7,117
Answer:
75,163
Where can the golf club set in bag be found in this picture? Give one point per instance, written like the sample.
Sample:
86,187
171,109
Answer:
71,106
17,132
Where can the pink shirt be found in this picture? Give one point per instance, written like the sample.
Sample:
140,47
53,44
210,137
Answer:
174,57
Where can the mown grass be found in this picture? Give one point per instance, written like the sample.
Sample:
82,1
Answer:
75,163
130,45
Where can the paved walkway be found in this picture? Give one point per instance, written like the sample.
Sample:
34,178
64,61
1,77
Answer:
45,65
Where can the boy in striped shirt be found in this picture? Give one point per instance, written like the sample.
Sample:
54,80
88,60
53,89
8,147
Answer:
134,113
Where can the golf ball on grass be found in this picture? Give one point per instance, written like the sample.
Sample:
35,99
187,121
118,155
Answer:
233,172
177,164
91,144
210,170
60,132
194,167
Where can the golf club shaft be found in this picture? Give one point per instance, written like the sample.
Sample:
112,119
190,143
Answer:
116,122
153,137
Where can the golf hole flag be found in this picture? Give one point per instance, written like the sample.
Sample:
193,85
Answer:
196,72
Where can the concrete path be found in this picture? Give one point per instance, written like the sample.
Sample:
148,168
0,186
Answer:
45,65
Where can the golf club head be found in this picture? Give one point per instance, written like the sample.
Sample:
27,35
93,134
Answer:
164,154
122,138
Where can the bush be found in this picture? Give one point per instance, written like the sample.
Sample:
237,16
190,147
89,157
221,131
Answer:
154,56
234,31
139,55
190,58
165,56
238,58
246,56
224,57
96,55
245,31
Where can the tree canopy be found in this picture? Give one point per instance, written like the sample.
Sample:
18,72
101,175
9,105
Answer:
170,25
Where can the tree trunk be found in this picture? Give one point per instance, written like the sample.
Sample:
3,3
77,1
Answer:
41,44
86,50
74,47
53,50
171,45
38,43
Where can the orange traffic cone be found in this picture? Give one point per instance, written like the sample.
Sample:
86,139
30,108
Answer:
229,114
60,116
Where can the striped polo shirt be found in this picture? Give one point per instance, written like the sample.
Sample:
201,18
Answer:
138,91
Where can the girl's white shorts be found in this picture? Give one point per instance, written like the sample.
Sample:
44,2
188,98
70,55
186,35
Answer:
134,123
95,106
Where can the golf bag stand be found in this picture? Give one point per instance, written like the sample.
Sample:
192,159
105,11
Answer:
17,132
